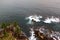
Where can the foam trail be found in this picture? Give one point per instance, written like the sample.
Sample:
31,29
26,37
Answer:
32,37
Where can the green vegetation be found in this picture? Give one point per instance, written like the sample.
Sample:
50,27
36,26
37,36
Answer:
18,30
8,30
5,34
9,37
3,25
15,23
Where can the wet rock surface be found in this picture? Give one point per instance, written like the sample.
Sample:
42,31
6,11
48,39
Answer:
46,34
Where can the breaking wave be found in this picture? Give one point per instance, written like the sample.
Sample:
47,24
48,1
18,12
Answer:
37,18
52,19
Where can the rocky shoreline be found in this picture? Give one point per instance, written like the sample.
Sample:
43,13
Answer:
46,34
14,32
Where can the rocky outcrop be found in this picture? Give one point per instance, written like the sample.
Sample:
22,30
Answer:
12,32
46,34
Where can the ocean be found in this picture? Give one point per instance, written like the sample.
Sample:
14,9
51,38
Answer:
18,10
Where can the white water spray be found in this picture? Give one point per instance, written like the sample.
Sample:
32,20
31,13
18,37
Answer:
52,19
33,17
32,37
38,19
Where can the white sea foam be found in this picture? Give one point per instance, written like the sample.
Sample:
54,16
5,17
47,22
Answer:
32,37
34,18
47,20
52,19
54,34
38,19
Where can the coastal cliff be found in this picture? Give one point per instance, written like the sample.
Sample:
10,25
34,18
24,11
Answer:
11,32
